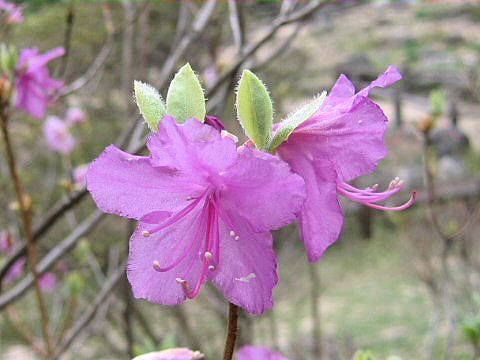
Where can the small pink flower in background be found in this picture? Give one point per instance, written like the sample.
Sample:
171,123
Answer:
15,271
58,135
6,242
13,12
250,352
35,87
342,141
172,354
48,282
75,116
205,211
79,175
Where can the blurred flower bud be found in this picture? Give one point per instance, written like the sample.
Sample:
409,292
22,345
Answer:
76,284
75,116
82,250
5,89
172,354
8,59
426,124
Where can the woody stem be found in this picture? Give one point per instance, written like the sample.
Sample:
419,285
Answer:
26,221
232,332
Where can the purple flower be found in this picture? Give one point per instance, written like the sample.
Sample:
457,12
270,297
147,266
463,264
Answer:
34,85
206,210
47,282
343,140
6,242
15,271
172,354
79,175
58,135
14,12
250,352
75,116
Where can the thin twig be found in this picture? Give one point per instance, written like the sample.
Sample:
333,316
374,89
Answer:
232,332
25,213
89,314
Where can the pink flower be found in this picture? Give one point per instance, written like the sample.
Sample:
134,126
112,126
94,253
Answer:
79,175
14,12
15,271
172,354
250,352
206,210
48,282
343,140
6,242
75,116
34,85
58,135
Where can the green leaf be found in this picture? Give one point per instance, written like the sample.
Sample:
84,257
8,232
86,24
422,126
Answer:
287,126
254,109
150,103
185,98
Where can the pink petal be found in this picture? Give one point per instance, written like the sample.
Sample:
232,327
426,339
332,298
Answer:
127,185
250,352
321,217
192,147
247,270
166,246
262,189
58,136
172,354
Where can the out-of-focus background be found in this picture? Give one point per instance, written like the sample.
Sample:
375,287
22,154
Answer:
394,284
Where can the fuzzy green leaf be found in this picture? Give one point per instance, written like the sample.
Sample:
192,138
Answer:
254,109
150,103
287,126
185,98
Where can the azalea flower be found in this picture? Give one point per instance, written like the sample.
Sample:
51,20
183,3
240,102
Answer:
205,211
172,354
75,116
47,282
58,136
342,141
15,271
6,242
250,352
35,87
79,175
14,12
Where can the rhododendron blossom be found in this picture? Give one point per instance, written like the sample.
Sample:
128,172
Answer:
13,12
47,282
172,354
57,133
205,211
79,175
35,87
250,352
342,141
75,116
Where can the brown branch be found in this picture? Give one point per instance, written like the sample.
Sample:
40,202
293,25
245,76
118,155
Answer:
89,314
25,213
232,332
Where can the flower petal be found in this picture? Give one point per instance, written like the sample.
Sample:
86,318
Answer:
353,140
127,185
262,189
247,272
166,246
250,352
192,147
321,217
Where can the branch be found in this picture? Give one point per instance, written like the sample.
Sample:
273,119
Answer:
88,315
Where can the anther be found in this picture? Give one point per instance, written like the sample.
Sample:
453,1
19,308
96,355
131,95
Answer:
146,233
189,198
211,268
180,280
232,233
237,237
208,255
156,265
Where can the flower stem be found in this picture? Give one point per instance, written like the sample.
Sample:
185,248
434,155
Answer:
232,332
25,213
